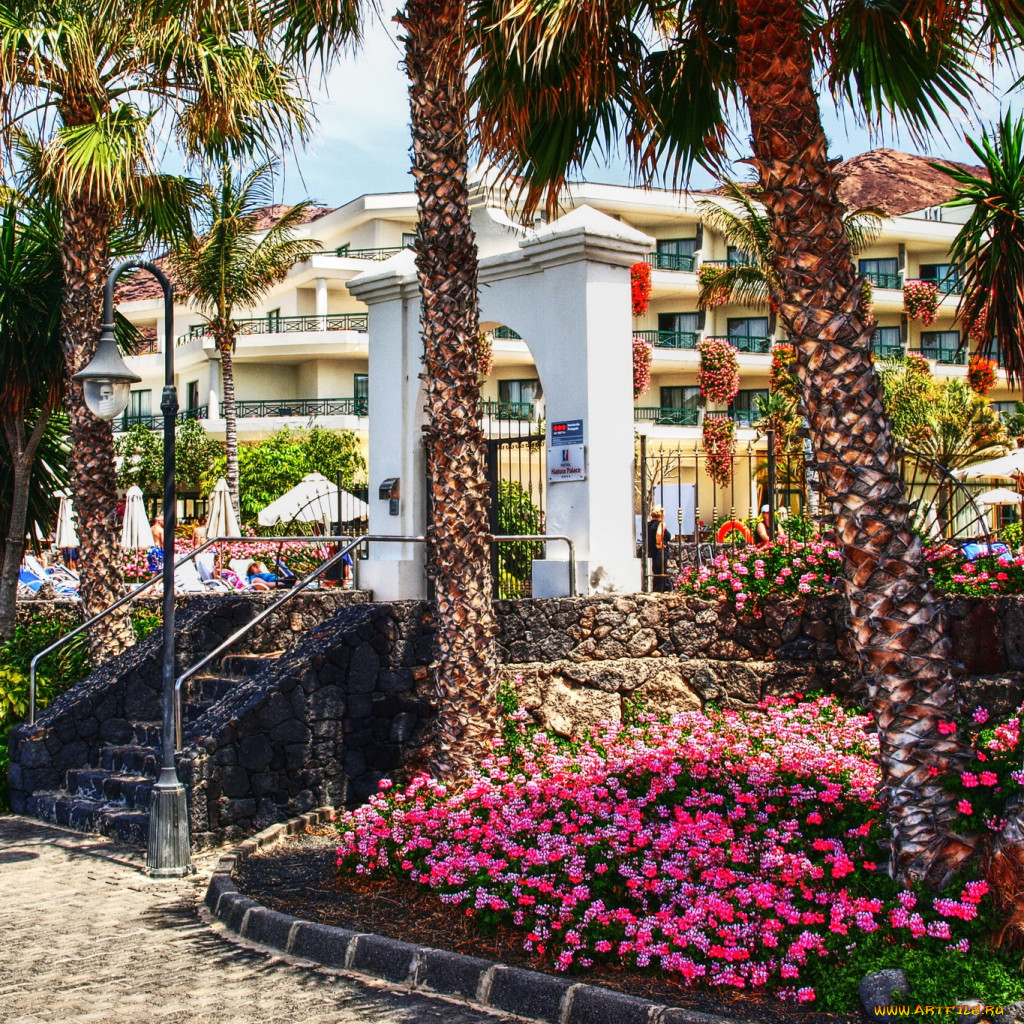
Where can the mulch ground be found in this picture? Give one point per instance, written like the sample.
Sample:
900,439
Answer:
299,877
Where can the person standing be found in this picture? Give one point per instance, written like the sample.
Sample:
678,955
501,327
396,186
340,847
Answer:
658,539
155,555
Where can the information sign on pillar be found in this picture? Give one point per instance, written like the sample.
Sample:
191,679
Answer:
567,460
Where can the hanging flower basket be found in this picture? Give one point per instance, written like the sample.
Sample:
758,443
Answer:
867,306
719,373
981,374
641,367
921,301
640,284
718,441
484,353
782,376
708,273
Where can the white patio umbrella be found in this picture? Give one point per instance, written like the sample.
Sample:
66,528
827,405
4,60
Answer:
1006,466
314,499
998,496
67,535
135,531
221,520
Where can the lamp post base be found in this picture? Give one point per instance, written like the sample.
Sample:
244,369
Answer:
168,854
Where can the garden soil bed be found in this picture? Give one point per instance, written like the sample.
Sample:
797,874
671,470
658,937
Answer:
299,877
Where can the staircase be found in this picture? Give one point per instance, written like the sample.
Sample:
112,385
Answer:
113,797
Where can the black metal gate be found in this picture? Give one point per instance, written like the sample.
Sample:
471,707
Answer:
515,474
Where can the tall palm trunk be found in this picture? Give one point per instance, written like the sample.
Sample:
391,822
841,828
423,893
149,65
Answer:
23,452
898,622
224,338
85,257
458,556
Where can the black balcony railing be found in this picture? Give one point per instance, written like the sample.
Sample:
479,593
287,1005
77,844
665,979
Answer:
287,325
509,410
367,254
665,416
154,421
748,342
670,339
887,349
744,417
506,333
301,407
947,355
883,278
671,261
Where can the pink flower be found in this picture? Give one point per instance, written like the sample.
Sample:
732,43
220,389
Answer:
947,728
964,807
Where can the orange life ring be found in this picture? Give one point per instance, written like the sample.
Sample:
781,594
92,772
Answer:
729,526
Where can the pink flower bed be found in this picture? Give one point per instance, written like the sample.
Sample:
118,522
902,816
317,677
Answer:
729,849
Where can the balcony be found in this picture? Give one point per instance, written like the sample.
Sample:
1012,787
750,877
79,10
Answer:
506,333
287,325
377,255
671,261
883,279
663,416
744,417
155,421
748,342
509,410
670,339
945,355
887,349
305,407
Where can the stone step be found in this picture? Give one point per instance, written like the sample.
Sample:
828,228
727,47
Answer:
210,688
131,790
86,815
147,734
247,665
131,759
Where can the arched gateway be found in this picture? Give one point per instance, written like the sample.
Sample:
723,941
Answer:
566,287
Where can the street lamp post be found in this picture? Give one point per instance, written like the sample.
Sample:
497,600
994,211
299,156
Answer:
106,383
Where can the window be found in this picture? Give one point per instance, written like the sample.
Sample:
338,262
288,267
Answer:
273,320
680,406
678,246
140,407
743,408
408,239
361,392
685,322
887,341
945,275
943,347
883,273
675,254
749,333
192,396
516,391
735,257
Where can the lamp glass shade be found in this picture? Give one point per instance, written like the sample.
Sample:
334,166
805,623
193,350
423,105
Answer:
106,398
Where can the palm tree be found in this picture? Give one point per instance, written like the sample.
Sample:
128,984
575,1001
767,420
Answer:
89,79
32,368
665,76
231,264
446,259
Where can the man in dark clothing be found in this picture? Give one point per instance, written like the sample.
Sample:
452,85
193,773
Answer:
657,547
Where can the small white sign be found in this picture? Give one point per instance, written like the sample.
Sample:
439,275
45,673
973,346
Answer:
566,462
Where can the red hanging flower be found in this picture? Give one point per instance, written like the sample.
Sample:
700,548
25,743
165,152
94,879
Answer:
640,284
782,376
981,374
718,441
641,367
484,353
867,306
921,301
719,373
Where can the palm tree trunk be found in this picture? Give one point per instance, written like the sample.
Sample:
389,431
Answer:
458,556
23,451
225,341
898,622
85,256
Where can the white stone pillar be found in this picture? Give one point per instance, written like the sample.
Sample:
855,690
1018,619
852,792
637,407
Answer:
321,296
395,571
213,410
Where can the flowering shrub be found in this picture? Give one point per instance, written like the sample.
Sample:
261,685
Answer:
981,374
718,440
917,363
921,301
640,286
867,306
484,353
744,578
641,366
708,273
730,849
782,376
719,372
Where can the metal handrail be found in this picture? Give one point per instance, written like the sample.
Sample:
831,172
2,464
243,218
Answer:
132,594
179,683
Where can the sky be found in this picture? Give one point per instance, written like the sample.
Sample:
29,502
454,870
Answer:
361,141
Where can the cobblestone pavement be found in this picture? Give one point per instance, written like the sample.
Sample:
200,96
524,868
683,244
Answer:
87,937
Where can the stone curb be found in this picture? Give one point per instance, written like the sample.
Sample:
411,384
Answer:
492,986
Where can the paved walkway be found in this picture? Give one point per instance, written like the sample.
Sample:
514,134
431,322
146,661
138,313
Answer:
87,937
